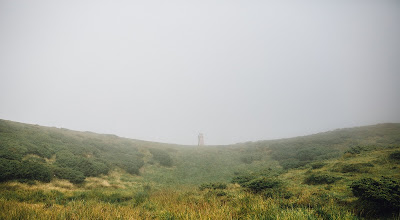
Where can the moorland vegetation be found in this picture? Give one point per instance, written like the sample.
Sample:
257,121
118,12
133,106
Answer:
56,173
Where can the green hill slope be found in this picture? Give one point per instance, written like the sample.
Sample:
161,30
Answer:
348,173
73,155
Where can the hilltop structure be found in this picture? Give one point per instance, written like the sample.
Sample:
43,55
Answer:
201,140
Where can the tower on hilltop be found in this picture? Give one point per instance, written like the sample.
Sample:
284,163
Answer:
201,140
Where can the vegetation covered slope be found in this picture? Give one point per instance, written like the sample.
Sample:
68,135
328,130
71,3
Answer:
33,152
51,173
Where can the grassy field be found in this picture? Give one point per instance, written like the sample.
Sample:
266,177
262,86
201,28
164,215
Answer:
321,176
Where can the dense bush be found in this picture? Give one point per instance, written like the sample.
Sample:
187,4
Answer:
320,178
317,165
262,183
250,158
292,163
76,153
395,156
358,149
162,157
25,170
34,171
87,166
212,186
377,196
356,168
241,179
73,176
9,169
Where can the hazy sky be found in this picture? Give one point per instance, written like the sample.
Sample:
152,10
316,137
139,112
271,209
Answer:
234,70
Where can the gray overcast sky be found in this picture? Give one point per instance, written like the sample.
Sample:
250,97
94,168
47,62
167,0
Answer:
166,70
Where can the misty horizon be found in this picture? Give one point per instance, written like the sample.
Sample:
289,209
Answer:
234,71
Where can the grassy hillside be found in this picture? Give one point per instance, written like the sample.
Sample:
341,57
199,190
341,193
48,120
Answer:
52,173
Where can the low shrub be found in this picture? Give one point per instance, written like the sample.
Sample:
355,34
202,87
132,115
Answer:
395,156
250,158
320,178
162,157
262,183
356,168
69,174
377,197
212,186
241,179
317,165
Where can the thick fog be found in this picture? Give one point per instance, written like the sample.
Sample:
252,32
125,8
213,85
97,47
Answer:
167,70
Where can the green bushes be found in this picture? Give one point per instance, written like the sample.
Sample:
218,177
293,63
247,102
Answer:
257,184
395,156
377,196
353,167
320,178
25,170
250,158
317,165
76,153
162,157
73,176
87,166
356,168
262,183
34,171
359,149
212,186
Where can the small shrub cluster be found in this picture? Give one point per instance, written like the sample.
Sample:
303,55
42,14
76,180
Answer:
320,178
377,196
212,186
258,183
250,158
162,157
24,170
359,149
262,183
317,165
353,167
395,156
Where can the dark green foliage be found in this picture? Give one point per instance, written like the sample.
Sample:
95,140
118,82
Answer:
317,165
358,149
87,166
290,157
162,157
395,156
292,163
356,168
241,179
114,198
262,183
354,150
76,153
9,169
73,176
320,178
212,186
297,152
250,158
377,196
34,171
142,195
25,170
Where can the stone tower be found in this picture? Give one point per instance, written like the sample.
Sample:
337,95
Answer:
201,140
